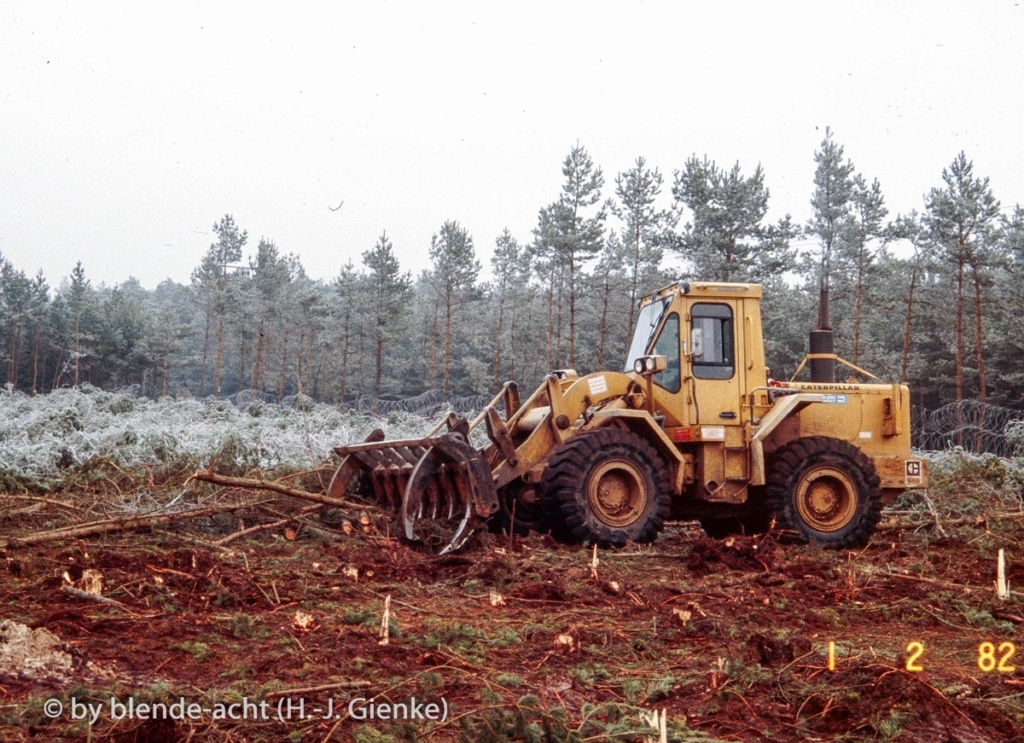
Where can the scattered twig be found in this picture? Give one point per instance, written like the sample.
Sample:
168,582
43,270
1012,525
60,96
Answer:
27,509
204,543
920,579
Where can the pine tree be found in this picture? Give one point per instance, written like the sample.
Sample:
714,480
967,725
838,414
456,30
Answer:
866,226
725,239
270,277
831,205
390,292
15,312
349,313
215,288
226,251
568,234
511,267
81,300
645,228
615,283
452,278
908,228
38,310
960,220
121,346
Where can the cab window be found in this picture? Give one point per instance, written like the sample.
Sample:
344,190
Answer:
646,325
668,346
716,359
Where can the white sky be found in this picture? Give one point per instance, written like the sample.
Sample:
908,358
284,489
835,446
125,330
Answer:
128,129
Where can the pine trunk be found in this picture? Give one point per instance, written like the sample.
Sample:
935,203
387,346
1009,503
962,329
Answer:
78,319
447,341
282,375
604,323
497,335
35,362
206,354
978,334
572,312
254,377
907,325
219,358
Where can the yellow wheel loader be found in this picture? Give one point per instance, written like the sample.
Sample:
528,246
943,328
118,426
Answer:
692,428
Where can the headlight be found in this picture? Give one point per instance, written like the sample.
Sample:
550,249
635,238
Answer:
649,364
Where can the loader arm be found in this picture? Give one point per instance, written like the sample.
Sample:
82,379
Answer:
552,414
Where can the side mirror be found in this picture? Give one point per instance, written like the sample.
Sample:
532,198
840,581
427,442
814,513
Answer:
697,343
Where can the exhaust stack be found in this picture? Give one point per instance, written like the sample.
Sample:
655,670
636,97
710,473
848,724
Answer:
821,341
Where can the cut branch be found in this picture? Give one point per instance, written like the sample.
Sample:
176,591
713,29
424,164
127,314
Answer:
266,527
79,593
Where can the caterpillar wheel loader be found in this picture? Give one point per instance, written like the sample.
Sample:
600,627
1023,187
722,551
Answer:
692,428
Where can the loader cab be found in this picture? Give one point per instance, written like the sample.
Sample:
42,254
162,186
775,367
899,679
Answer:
710,336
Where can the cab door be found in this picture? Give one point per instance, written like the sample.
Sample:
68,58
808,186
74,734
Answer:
715,361
714,365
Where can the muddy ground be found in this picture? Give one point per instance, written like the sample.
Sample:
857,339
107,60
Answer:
522,640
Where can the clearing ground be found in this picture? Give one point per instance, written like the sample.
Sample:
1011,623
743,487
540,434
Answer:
520,640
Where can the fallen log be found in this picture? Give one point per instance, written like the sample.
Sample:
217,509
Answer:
127,523
275,487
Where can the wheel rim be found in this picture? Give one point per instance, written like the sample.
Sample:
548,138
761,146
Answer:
617,493
826,499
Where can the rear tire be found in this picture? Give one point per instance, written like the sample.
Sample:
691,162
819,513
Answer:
825,491
606,487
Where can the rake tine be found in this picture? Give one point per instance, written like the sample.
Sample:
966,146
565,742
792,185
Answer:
466,527
412,502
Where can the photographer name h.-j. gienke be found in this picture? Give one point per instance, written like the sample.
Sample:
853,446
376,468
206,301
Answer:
361,708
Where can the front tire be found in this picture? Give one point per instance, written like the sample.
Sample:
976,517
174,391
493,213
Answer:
825,491
606,487
520,510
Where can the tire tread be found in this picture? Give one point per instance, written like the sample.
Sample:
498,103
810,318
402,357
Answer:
564,482
787,464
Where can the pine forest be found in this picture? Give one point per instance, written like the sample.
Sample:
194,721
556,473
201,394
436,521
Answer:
933,298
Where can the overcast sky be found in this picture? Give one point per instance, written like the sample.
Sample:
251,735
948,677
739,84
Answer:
128,129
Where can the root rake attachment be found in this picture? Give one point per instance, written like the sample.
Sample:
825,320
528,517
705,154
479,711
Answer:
440,486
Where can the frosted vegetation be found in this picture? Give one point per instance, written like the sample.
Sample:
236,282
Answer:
49,438
69,438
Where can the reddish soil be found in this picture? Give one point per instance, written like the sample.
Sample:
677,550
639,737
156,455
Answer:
730,637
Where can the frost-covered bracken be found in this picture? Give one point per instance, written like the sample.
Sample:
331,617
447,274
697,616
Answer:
45,436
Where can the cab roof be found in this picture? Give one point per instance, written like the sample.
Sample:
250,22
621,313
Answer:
708,290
